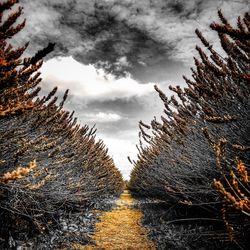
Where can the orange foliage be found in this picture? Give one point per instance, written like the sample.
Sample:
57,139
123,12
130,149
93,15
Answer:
18,173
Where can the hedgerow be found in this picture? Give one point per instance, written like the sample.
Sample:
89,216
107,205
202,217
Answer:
197,156
49,164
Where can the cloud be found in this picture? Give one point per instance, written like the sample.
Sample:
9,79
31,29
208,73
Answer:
88,82
102,117
173,22
119,149
89,31
120,36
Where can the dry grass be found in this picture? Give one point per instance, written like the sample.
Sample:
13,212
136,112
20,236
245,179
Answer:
121,228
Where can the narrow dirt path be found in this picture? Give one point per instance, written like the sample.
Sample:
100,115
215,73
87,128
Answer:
121,228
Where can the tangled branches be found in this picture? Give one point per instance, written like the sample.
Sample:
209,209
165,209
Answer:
178,163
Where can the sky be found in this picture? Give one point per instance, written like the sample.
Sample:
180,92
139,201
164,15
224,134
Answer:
111,53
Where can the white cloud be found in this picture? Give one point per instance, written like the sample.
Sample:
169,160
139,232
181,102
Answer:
123,61
102,117
120,148
88,82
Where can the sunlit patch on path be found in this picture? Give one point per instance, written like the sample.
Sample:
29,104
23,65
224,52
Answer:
121,228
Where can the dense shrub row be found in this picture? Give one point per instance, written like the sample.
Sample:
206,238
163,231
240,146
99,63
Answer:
48,162
197,156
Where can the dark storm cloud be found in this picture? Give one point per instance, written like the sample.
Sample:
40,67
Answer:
91,32
122,36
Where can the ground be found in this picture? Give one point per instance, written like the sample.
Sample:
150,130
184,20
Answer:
121,228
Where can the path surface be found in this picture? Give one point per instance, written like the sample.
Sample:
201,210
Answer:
121,228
